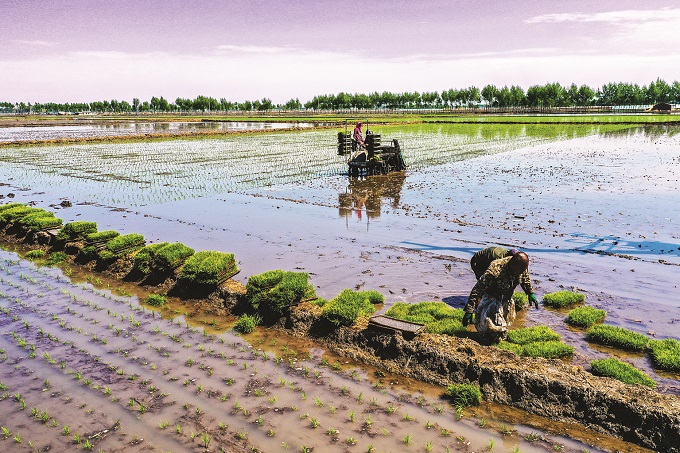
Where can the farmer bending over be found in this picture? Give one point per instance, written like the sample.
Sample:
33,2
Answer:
500,280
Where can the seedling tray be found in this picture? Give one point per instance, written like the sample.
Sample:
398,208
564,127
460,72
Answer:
407,328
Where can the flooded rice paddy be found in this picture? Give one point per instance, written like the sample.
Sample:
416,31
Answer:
117,129
594,207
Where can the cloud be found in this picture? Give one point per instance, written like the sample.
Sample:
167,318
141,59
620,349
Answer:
614,17
34,43
88,76
252,49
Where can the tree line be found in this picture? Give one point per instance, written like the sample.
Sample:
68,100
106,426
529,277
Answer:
548,95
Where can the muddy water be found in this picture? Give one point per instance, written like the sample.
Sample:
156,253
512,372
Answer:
595,213
104,368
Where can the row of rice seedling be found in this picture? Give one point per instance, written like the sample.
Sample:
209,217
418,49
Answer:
156,172
131,390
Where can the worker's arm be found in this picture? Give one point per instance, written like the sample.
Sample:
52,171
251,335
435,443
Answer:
478,291
525,283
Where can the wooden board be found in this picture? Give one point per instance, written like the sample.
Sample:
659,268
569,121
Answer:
396,325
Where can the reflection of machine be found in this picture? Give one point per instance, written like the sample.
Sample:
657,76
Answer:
374,159
366,195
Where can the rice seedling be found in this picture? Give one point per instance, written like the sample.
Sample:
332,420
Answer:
247,323
561,299
35,254
617,337
314,423
208,268
273,291
349,305
351,441
155,300
438,317
532,335
621,371
665,354
464,395
407,439
585,316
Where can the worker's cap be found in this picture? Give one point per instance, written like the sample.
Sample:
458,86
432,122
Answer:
360,123
514,252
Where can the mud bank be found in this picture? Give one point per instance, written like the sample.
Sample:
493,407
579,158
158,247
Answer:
547,388
543,387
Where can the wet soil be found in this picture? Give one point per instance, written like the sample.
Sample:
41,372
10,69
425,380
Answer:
82,366
586,210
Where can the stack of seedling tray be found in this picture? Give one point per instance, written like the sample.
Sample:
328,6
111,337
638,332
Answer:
209,268
122,245
14,212
76,231
27,217
171,256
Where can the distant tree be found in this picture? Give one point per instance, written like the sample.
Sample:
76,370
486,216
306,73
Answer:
490,95
265,104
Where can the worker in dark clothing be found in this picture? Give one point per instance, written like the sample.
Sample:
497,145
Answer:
481,260
500,280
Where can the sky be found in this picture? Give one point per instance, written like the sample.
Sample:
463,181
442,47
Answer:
86,50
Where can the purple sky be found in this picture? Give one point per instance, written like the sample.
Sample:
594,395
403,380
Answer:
84,50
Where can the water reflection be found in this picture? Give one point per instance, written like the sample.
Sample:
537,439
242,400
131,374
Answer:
364,196
105,129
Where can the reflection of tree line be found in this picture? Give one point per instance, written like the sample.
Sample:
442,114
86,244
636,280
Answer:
366,195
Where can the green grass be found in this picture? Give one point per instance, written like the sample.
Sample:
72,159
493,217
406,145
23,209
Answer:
276,290
464,394
665,354
521,300
247,323
562,299
438,317
621,371
347,307
155,300
209,268
617,337
585,316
